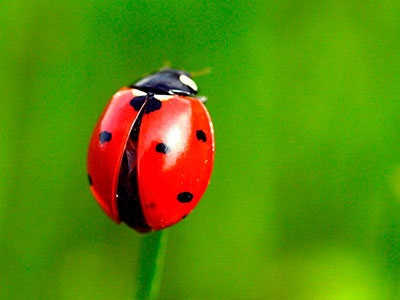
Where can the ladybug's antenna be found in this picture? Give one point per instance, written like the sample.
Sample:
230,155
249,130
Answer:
166,65
202,72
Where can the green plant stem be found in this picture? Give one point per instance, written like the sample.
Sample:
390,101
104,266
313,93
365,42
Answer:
151,263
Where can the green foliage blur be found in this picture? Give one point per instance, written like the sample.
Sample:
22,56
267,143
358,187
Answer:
304,198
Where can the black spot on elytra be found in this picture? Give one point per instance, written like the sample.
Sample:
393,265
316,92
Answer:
184,216
138,102
201,135
105,136
152,105
185,197
90,179
162,148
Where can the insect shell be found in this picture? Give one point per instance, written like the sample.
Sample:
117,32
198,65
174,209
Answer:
152,152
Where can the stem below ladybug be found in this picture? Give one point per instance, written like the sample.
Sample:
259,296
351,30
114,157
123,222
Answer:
151,264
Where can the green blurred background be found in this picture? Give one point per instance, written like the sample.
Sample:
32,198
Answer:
304,198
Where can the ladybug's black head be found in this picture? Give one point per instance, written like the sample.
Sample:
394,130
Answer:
168,82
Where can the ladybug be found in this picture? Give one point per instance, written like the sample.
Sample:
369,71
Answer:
152,152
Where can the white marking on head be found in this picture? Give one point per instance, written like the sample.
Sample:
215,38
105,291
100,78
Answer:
163,97
187,81
137,93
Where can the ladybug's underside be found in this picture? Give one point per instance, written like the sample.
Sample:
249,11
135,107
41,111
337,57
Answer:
128,202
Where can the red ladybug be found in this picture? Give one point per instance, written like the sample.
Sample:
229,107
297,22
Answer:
152,152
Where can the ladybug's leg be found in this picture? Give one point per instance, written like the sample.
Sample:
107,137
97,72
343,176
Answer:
202,99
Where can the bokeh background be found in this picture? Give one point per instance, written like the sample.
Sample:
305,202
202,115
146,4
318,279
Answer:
304,198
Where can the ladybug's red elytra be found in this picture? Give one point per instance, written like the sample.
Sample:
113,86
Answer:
152,152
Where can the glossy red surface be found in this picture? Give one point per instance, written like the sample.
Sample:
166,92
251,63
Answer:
187,166
175,156
104,159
